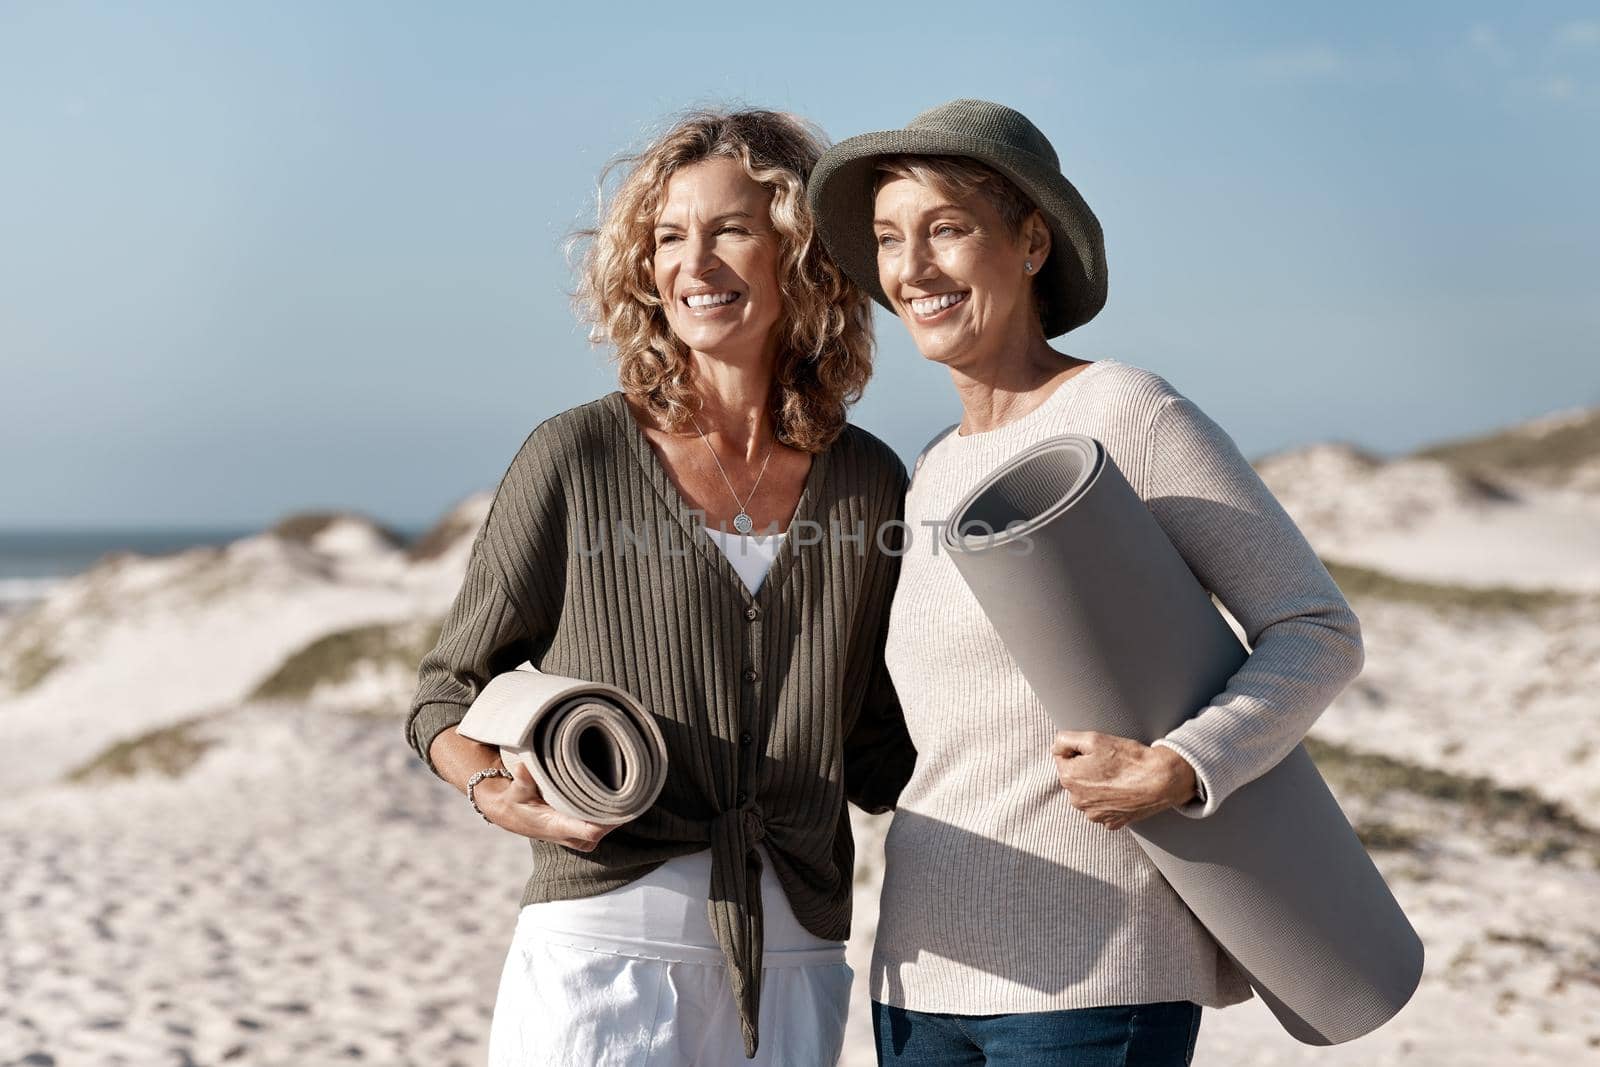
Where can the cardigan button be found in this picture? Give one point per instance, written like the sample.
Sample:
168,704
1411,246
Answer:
746,738
751,613
741,797
749,674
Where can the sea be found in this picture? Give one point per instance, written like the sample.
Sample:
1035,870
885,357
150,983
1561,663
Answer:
32,562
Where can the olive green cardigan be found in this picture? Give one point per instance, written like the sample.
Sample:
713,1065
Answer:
775,707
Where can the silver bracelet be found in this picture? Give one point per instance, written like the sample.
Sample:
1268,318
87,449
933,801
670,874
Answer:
487,772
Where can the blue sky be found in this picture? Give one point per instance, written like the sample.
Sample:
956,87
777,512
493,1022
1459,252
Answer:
257,258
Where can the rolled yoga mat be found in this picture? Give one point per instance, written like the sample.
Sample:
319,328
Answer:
594,751
1115,635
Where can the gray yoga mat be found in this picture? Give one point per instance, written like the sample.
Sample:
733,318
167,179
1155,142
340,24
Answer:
594,751
1115,635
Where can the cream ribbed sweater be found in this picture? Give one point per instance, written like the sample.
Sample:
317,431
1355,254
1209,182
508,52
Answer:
999,895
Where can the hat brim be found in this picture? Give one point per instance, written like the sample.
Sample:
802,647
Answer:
1072,282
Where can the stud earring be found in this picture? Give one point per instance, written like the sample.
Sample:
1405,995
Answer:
1027,266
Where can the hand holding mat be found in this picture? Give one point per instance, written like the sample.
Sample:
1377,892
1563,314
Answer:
1114,634
594,751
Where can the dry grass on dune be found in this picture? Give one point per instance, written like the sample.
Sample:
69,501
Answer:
334,658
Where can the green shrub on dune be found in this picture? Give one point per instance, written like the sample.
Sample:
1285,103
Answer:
1546,454
1361,583
306,526
31,661
1510,820
336,657
168,751
460,524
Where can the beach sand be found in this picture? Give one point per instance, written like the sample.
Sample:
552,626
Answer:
296,897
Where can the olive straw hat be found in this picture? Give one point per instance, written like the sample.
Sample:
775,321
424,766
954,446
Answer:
1071,286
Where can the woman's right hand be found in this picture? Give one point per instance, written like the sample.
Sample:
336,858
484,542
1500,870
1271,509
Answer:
517,805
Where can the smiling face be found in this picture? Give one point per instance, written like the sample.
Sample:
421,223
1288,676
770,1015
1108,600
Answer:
716,260
955,271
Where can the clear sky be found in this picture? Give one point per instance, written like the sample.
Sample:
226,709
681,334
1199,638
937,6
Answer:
257,258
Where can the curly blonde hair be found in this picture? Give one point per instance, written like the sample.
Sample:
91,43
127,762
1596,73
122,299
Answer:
825,328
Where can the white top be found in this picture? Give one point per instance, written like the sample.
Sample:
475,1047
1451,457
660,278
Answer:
999,896
750,554
663,915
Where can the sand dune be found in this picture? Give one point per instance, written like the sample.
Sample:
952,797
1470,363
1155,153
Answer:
1519,508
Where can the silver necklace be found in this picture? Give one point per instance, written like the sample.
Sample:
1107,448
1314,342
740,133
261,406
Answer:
742,521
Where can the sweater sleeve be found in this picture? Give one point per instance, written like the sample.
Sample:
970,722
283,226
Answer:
879,755
1246,551
506,609
878,752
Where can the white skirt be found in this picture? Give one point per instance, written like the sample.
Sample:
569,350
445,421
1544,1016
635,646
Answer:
634,977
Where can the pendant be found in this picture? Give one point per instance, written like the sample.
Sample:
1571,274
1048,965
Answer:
743,523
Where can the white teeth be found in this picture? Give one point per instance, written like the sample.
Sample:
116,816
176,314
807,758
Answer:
928,305
709,300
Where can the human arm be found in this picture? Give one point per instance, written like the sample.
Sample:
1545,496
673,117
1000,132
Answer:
879,755
1305,641
878,751
503,614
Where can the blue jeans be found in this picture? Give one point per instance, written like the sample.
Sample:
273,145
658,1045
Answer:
1130,1035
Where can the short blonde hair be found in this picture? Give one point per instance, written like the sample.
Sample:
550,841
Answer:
959,177
825,328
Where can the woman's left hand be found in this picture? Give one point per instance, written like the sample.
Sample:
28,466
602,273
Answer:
1116,781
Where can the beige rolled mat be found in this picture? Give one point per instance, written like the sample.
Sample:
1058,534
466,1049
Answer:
1115,635
593,750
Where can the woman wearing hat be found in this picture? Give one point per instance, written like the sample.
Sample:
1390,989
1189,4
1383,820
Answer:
1017,925
693,538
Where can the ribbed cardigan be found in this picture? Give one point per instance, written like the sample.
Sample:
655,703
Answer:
999,896
775,708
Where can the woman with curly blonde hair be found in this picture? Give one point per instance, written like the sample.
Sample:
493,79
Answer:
622,547
820,333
